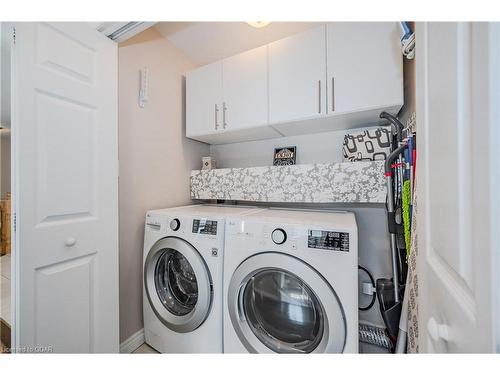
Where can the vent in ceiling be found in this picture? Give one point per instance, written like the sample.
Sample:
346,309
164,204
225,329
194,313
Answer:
121,31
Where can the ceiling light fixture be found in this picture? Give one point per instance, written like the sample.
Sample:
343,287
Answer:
258,24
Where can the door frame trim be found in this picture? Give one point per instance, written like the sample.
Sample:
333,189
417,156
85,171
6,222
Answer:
494,40
14,166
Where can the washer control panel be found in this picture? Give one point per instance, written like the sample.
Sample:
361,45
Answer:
204,226
154,223
328,240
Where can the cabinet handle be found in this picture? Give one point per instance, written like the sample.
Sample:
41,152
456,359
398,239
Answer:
216,117
224,108
333,94
319,96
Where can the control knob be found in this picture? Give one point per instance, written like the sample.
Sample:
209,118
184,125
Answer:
278,236
175,224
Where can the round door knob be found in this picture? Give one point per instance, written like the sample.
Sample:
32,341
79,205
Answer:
70,241
175,224
278,236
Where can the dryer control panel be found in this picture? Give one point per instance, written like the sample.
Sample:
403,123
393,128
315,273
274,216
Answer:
328,240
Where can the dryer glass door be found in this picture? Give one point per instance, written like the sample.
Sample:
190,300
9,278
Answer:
278,303
178,284
283,312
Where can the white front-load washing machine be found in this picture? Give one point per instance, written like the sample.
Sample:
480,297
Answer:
183,265
291,282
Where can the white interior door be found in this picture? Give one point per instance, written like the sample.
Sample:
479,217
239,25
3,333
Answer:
458,179
66,177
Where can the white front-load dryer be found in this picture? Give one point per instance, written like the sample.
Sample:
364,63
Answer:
183,265
291,282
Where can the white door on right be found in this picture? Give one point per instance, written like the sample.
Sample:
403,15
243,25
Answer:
458,107
365,66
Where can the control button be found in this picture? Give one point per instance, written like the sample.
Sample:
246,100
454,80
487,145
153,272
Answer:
278,236
175,224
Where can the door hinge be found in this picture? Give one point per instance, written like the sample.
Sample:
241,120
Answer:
14,35
15,222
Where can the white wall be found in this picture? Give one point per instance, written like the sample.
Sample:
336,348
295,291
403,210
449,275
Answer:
409,87
206,42
155,157
311,148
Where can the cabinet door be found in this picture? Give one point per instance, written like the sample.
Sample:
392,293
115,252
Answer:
245,89
204,100
365,68
297,75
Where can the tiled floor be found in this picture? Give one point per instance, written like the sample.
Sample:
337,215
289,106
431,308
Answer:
5,288
145,349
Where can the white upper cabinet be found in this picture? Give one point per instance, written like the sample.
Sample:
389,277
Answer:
333,77
297,76
244,79
204,100
364,65
227,101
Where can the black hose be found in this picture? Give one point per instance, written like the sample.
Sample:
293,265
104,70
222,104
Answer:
394,121
374,295
393,156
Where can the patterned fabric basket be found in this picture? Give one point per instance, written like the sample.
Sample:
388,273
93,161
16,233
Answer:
373,144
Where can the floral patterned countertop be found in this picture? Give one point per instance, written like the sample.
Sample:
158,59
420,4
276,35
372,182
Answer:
351,182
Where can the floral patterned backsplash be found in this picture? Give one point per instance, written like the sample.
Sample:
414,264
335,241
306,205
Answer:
351,182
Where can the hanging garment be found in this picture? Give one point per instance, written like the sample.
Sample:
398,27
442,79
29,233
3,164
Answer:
412,283
408,324
406,203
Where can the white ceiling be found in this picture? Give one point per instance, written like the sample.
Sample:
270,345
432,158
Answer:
206,42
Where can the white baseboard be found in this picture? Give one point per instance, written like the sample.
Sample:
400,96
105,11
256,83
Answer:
133,342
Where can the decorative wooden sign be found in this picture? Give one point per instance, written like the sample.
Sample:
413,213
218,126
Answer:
285,155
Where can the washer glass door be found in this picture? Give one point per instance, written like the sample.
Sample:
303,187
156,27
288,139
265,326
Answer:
178,284
175,283
283,312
